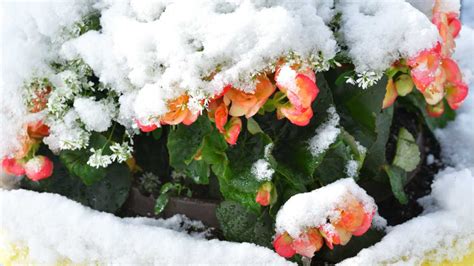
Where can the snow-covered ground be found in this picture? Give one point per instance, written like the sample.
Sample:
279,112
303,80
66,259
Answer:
55,228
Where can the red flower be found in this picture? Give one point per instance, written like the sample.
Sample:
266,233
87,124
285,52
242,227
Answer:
37,130
13,166
38,168
283,245
146,128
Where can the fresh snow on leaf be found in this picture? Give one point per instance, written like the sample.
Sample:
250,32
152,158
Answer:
326,133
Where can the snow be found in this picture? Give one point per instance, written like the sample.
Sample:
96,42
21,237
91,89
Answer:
444,230
96,115
29,40
312,209
54,227
262,170
326,133
380,32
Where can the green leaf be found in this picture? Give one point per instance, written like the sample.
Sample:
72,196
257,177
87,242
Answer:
185,141
157,133
76,161
333,166
253,127
214,147
343,77
397,177
199,172
407,155
161,203
241,225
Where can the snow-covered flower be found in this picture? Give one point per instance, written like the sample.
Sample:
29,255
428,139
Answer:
121,152
98,160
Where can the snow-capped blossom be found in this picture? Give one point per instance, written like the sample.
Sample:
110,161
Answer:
367,79
38,168
336,211
308,243
121,152
98,160
147,127
248,104
178,112
299,86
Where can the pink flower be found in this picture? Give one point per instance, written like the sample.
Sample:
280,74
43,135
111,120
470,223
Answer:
146,127
448,25
424,67
38,168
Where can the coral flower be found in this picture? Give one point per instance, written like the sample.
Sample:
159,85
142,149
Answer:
283,245
424,67
179,112
248,104
308,243
300,87
297,117
390,94
448,25
37,130
146,127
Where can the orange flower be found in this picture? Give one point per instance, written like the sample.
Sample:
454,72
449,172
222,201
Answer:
248,104
456,93
300,88
179,112
37,130
308,243
297,117
264,194
334,235
390,94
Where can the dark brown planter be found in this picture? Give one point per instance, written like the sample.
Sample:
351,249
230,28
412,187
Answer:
196,209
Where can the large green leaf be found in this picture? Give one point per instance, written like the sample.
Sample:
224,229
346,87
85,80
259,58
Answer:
407,155
185,141
76,161
241,225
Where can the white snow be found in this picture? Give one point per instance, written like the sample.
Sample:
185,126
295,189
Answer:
380,32
262,170
312,209
326,133
54,227
29,40
96,115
